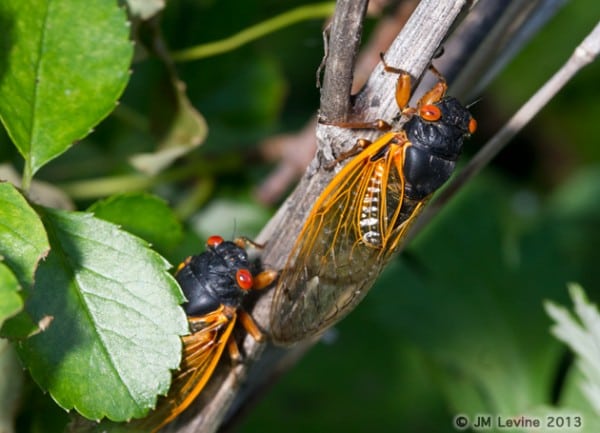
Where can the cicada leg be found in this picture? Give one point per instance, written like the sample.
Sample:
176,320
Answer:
403,86
402,95
264,279
183,264
243,242
251,327
361,144
437,92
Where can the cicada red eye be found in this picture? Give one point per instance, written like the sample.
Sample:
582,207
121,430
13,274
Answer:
214,240
431,113
244,279
472,126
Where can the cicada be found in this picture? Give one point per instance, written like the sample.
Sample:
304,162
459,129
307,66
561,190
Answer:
363,215
214,283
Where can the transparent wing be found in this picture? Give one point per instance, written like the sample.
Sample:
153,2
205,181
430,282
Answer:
332,264
202,350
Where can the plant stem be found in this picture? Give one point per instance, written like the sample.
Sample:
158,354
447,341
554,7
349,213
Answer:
308,12
27,176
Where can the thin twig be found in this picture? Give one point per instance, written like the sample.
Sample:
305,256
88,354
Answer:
504,35
583,55
343,43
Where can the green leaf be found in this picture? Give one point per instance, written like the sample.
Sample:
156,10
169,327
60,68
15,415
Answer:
45,193
65,65
113,321
23,239
582,335
10,301
144,215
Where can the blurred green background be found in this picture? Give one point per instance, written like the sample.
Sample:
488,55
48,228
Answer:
454,325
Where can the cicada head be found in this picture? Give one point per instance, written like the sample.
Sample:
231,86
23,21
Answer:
440,128
220,275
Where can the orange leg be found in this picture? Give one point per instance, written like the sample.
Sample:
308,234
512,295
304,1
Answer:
403,91
183,264
379,124
234,351
243,242
361,144
250,325
437,92
264,279
403,86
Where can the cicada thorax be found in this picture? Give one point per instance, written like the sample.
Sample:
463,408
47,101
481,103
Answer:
215,278
434,147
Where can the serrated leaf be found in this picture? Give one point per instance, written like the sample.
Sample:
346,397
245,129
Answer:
10,301
144,215
573,399
582,334
65,66
23,239
113,321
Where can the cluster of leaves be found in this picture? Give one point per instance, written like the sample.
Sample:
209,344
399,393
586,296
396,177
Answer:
87,303
79,293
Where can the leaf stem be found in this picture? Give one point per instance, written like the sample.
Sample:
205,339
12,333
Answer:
101,187
105,186
27,176
302,13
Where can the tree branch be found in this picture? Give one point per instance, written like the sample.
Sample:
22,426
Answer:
341,50
233,389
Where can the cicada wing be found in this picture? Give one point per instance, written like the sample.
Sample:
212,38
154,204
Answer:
332,266
327,270
202,350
